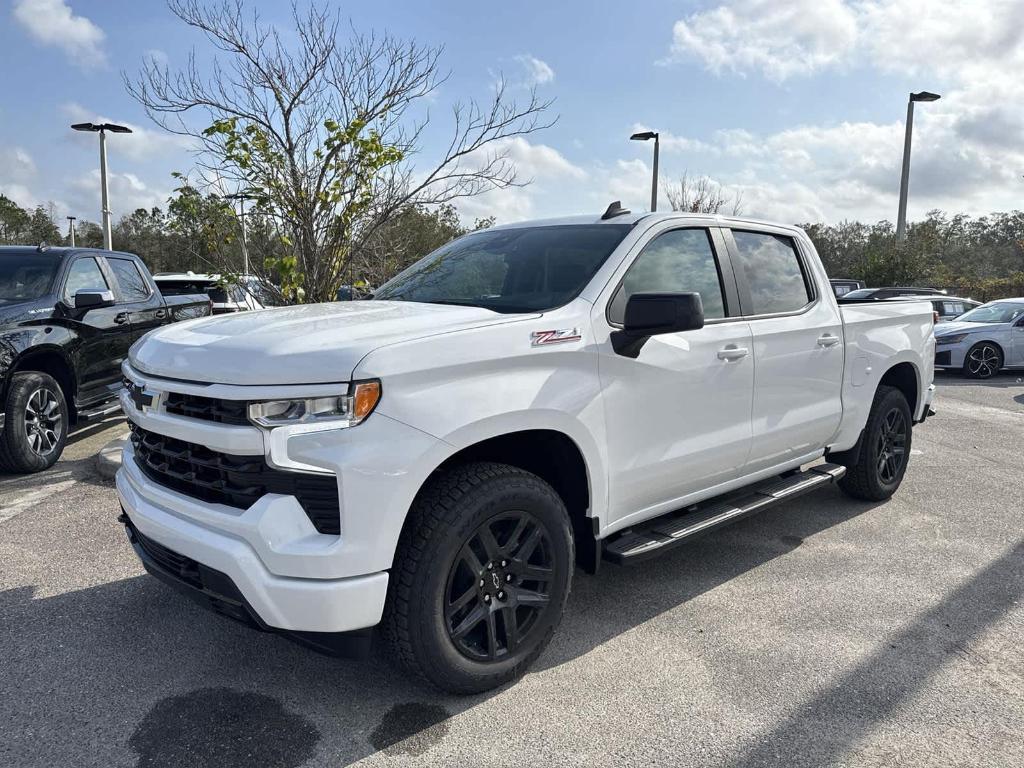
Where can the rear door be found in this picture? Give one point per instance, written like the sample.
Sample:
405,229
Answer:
797,347
142,301
104,332
677,415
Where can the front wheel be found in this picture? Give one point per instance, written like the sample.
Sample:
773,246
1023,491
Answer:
885,449
983,361
480,579
36,424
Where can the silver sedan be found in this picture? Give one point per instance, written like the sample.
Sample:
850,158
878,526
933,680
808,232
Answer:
983,341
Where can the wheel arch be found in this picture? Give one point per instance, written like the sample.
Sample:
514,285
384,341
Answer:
556,458
905,377
50,360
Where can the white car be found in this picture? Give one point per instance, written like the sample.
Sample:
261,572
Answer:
526,399
983,341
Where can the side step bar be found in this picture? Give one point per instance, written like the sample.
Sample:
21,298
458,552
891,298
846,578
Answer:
99,413
655,536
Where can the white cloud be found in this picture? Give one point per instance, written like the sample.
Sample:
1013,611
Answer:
778,39
17,174
537,72
52,22
127,192
801,37
140,144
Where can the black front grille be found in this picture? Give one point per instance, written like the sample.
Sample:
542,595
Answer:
237,481
207,408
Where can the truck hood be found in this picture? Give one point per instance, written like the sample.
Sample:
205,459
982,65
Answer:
961,327
311,344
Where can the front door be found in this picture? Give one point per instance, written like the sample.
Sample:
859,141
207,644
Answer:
798,349
104,333
141,300
678,415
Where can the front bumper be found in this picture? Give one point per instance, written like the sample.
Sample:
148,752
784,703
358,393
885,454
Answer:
951,355
279,602
216,591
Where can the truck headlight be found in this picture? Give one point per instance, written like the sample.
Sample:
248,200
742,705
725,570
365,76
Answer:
953,338
334,412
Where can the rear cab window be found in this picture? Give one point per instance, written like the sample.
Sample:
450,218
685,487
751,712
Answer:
134,287
773,271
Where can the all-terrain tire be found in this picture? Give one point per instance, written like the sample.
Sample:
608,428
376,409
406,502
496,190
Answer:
444,541
33,395
884,451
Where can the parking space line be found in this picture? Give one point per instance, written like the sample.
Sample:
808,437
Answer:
32,498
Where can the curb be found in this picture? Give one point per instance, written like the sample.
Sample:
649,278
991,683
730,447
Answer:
108,460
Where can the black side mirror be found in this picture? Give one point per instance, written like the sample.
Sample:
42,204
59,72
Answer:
88,299
652,314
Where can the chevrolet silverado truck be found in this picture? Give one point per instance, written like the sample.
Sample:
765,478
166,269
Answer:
67,319
525,401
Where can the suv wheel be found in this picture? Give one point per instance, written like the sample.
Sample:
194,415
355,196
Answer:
36,426
884,451
983,361
480,579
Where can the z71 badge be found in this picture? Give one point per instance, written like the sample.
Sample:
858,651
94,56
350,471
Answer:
543,338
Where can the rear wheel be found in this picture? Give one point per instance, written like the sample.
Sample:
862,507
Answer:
481,577
36,424
885,448
983,361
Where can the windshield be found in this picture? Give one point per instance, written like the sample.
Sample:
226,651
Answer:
26,276
528,269
993,313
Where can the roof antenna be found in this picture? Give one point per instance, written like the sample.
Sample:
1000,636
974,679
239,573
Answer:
615,209
42,247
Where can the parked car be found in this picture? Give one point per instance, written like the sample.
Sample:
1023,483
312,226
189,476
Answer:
841,285
983,341
67,319
241,295
890,292
949,308
524,399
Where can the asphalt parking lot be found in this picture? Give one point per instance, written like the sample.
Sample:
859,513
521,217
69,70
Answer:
825,632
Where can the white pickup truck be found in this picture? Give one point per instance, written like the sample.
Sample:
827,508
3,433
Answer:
525,400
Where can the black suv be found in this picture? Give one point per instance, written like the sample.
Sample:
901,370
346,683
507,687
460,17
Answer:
67,319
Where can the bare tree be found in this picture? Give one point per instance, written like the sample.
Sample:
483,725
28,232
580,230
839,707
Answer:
324,133
702,195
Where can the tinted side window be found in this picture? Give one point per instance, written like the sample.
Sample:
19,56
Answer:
133,284
679,260
773,271
84,275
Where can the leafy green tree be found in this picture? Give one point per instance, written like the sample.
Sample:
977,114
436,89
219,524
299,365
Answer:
325,132
13,221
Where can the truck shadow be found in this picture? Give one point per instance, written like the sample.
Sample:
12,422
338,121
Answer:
128,668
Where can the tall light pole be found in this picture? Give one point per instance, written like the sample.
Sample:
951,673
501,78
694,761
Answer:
241,197
901,218
646,136
71,229
102,129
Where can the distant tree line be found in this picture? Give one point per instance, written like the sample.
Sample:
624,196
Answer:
978,257
202,233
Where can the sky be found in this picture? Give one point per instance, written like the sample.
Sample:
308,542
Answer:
798,106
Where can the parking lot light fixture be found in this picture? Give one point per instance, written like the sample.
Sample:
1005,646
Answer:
647,136
901,218
101,129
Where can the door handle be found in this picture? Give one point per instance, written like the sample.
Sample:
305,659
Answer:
732,352
121,318
828,340
161,314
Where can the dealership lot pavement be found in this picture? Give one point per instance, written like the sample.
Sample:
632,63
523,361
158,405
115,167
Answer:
826,632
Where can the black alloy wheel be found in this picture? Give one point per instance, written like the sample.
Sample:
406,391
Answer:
497,591
892,446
